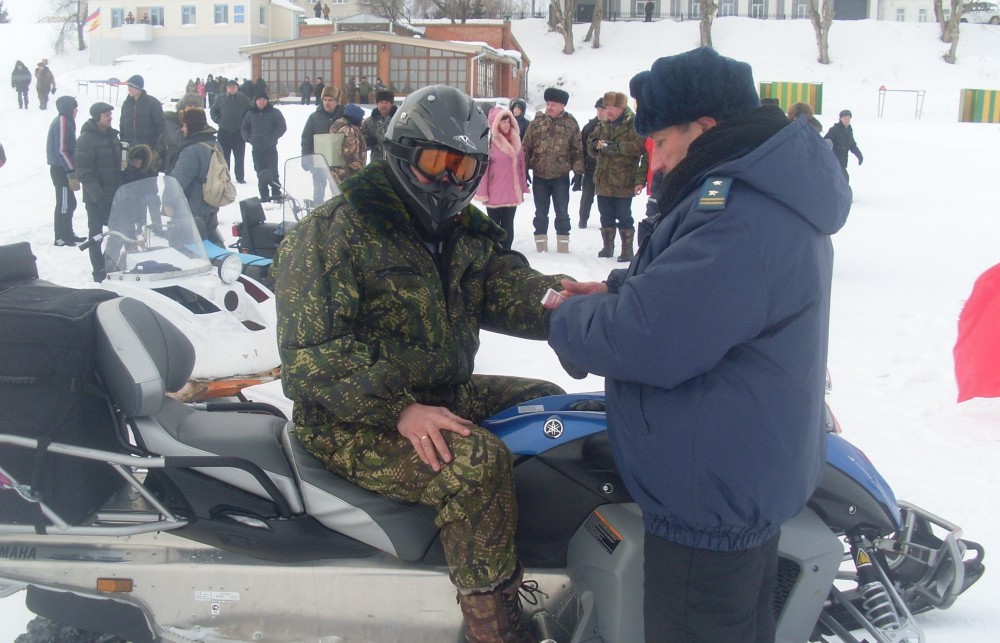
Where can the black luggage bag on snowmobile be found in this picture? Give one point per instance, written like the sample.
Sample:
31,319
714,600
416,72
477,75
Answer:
49,392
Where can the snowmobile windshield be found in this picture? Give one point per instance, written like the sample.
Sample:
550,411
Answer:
152,235
306,185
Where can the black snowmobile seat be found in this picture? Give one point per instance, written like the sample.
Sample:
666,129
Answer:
142,355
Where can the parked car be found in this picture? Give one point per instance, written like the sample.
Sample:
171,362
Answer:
981,13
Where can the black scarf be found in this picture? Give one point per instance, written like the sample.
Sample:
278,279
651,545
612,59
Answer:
732,138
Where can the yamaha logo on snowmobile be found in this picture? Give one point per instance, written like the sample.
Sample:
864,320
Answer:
553,428
466,141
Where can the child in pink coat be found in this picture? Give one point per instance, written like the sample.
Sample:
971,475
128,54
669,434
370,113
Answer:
505,183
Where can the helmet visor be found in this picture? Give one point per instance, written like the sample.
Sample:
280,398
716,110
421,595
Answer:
435,163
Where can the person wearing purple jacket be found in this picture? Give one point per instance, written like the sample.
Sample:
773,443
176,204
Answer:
505,183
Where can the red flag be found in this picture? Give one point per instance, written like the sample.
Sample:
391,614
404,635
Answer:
977,350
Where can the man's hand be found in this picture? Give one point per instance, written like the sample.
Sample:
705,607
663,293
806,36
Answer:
861,158
571,288
577,182
638,189
422,426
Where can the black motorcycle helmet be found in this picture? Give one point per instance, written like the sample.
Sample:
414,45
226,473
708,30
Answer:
437,147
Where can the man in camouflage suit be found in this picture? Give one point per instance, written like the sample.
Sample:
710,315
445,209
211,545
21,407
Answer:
553,147
381,293
620,174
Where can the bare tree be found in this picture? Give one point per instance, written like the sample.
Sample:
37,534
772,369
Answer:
822,20
595,27
70,15
708,9
395,10
4,18
951,31
561,21
459,10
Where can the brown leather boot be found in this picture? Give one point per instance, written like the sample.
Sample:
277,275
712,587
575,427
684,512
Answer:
627,236
608,234
496,617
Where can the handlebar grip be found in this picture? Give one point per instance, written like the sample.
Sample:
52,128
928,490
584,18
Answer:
91,241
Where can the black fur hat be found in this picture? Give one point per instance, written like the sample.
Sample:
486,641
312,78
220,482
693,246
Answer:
556,95
384,94
682,88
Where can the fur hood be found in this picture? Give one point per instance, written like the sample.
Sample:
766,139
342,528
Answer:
511,143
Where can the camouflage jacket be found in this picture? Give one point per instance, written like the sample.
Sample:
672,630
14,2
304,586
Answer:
368,323
623,163
553,146
355,150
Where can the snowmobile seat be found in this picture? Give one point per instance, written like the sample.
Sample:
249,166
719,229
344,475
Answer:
404,530
142,356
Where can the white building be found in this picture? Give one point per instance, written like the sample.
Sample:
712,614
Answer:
197,30
899,10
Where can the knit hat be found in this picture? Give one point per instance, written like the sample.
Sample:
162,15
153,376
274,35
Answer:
682,88
331,92
195,119
99,108
136,81
846,112
600,103
354,114
384,94
233,82
615,99
556,95
261,94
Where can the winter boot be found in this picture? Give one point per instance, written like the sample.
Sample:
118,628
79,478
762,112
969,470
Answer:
562,243
541,243
496,616
582,224
608,234
627,236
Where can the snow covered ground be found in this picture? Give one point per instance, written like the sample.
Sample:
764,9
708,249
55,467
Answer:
924,225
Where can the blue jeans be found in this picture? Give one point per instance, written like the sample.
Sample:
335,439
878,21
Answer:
558,191
616,212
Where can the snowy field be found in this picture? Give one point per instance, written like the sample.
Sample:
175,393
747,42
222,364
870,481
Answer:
924,225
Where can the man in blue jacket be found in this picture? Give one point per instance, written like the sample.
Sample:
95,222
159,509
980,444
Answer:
713,343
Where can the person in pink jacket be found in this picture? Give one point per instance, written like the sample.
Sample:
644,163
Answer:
505,183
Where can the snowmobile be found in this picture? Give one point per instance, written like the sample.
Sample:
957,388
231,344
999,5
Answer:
155,520
153,252
257,238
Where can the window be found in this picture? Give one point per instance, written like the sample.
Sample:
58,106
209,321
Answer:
800,9
414,67
758,9
727,8
156,16
261,16
221,14
117,18
360,61
694,9
189,15
487,81
922,15
900,14
238,14
283,71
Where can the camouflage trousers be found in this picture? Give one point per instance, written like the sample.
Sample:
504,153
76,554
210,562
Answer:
473,494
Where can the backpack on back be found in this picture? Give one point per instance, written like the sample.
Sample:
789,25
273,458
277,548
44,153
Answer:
218,189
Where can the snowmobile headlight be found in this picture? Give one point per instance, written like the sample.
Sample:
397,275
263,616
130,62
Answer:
230,267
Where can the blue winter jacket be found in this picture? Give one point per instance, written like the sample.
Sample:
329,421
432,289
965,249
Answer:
60,145
714,347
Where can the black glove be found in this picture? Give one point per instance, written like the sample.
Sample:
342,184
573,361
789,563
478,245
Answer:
577,182
861,158
53,90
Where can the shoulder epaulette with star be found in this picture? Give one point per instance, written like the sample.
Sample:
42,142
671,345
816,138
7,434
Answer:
714,193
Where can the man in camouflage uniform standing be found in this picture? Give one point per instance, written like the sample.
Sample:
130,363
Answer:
620,173
553,147
381,293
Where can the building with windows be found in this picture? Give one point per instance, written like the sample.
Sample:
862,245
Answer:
483,60
195,30
898,10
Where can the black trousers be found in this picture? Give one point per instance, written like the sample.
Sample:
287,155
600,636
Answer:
266,158
62,221
231,141
504,217
587,197
703,596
